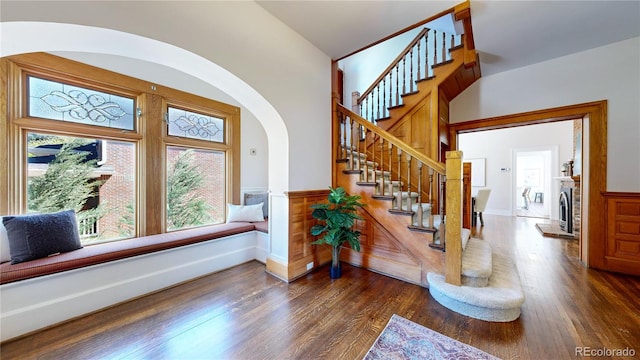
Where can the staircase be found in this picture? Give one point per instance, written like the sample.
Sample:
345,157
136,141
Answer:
407,188
398,184
490,289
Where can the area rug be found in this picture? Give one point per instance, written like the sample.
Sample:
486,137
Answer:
553,230
404,339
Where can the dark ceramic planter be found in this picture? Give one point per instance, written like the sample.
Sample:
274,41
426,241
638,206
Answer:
335,272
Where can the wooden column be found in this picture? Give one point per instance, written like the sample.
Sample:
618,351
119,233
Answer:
453,224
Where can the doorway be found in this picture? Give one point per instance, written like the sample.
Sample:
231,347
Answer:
533,187
594,165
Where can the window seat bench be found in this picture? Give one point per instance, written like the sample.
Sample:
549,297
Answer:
116,250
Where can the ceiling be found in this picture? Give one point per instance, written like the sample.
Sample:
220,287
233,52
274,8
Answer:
507,34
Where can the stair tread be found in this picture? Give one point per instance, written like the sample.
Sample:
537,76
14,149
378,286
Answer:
499,301
477,259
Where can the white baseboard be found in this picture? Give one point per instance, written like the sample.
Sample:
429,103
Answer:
32,304
500,212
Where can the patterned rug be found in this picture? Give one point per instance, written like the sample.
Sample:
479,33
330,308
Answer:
404,339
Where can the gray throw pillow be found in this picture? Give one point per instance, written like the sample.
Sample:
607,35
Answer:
40,235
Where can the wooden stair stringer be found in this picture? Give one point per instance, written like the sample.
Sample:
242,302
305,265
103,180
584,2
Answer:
414,245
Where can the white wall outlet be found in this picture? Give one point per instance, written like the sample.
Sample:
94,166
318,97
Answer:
310,266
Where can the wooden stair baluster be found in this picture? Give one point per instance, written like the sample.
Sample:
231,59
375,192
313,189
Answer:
371,119
390,170
378,103
399,193
397,84
411,82
373,160
409,183
381,189
420,210
431,197
390,92
363,108
444,47
354,149
418,63
384,98
362,153
435,48
426,55
404,75
351,147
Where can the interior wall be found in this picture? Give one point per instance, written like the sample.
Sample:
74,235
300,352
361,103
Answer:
361,69
496,147
606,73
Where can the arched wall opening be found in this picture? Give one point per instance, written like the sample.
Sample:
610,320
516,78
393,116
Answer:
26,37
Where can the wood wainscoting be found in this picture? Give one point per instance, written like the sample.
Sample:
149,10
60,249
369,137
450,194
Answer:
301,251
622,252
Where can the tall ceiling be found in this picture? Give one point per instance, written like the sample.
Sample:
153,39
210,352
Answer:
507,34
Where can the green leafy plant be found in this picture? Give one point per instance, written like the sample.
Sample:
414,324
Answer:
67,183
337,219
185,204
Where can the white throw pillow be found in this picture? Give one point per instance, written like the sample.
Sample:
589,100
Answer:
5,254
244,213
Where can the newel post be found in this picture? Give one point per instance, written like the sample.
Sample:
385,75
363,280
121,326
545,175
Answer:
453,223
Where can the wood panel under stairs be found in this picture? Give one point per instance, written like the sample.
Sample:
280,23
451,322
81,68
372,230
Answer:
408,259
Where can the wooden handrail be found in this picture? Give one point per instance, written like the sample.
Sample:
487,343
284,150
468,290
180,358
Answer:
387,136
393,64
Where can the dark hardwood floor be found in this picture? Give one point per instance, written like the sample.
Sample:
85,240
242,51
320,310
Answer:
244,313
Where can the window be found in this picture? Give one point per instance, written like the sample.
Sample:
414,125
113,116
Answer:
59,101
94,177
194,125
195,187
107,145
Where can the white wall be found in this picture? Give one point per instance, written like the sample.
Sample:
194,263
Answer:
609,73
361,69
497,146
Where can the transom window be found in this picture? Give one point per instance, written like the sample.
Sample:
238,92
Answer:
194,125
59,101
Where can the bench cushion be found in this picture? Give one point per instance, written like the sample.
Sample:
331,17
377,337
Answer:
104,252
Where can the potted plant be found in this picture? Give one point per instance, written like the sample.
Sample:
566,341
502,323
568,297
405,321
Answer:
337,217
